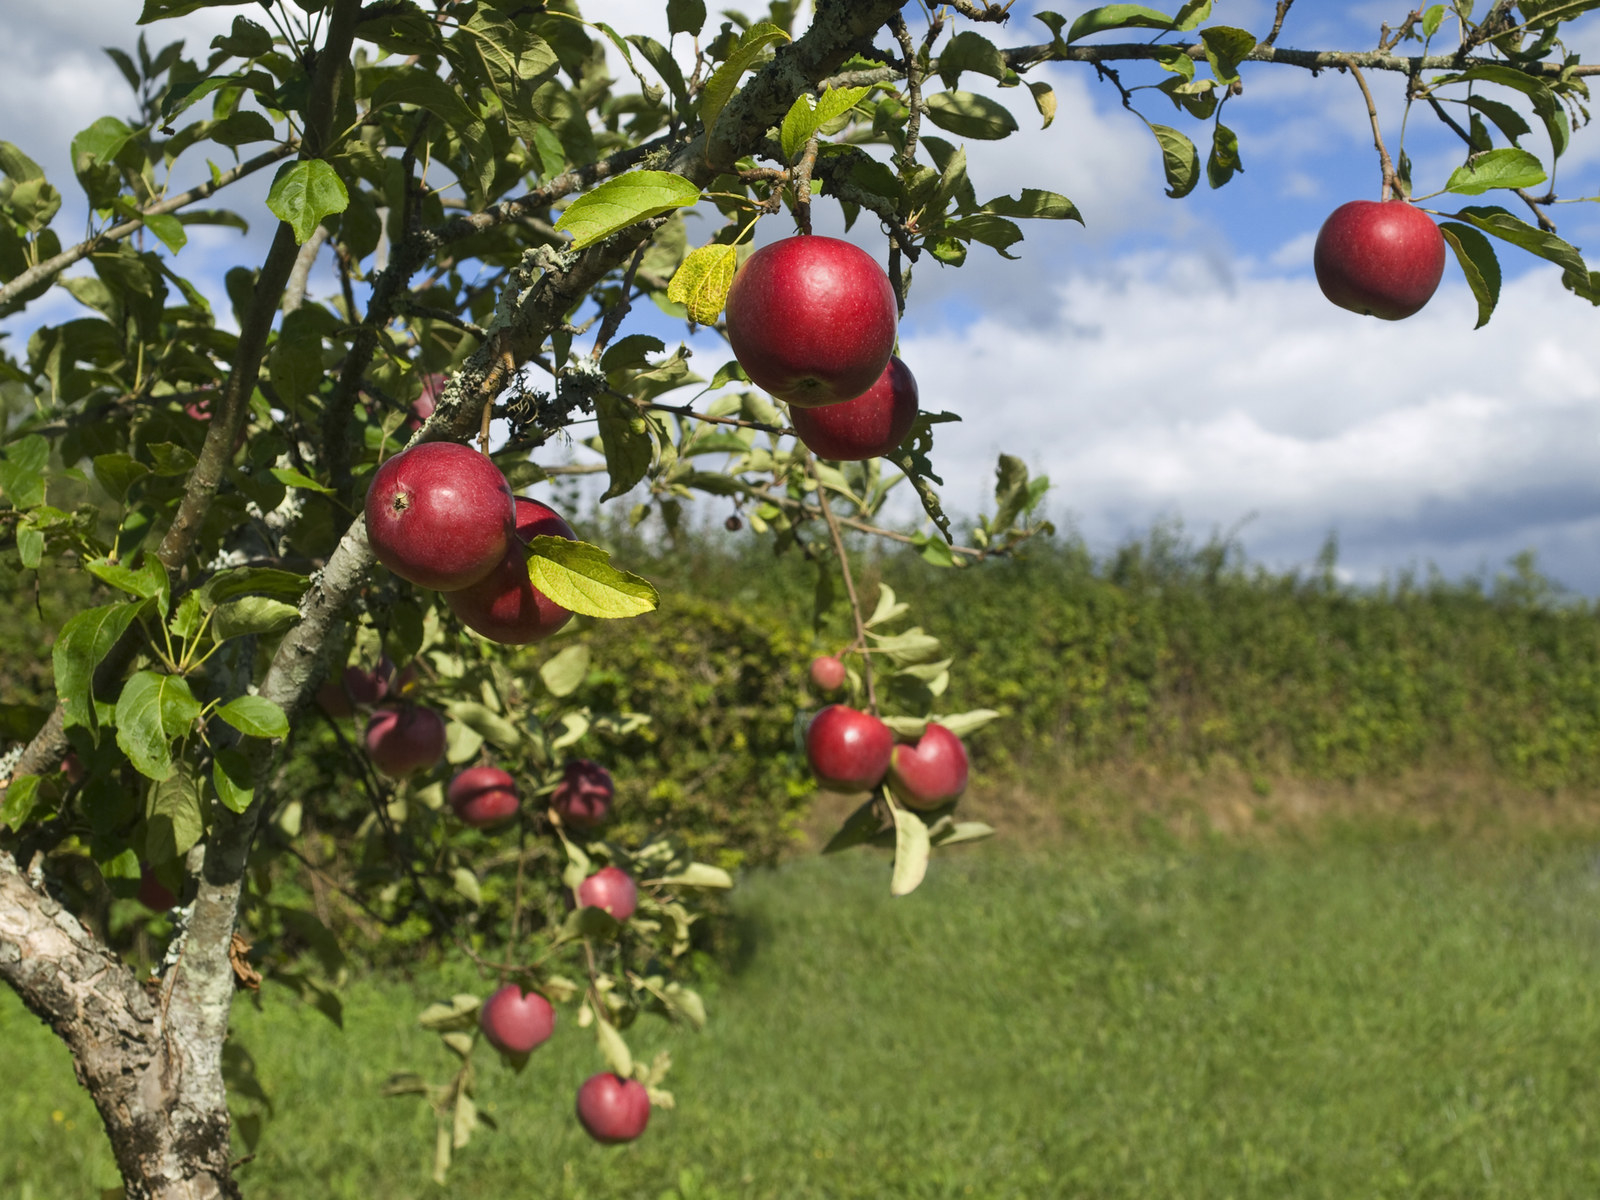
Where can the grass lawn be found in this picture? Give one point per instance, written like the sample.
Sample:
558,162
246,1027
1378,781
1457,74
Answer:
1365,1016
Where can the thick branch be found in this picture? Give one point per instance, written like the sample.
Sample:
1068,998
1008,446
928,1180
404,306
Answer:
53,266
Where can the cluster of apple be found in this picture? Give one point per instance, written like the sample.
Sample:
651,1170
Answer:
812,320
516,1021
853,751
442,516
1379,258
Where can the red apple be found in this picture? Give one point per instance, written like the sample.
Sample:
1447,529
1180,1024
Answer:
849,750
872,424
516,1022
828,673
72,768
613,1109
611,889
439,515
583,797
403,740
368,687
504,606
483,796
930,774
154,894
1381,258
812,320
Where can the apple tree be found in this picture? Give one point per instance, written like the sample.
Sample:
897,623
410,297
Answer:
498,191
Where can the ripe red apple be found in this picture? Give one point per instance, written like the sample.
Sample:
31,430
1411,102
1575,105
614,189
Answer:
872,424
516,1022
403,740
154,894
812,320
583,797
483,796
504,606
849,750
439,515
828,673
931,773
1381,258
611,889
613,1109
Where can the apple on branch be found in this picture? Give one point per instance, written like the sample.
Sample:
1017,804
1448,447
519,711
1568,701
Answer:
848,749
870,426
504,606
483,796
439,515
612,890
931,773
583,797
514,1021
401,741
612,1109
827,673
812,320
1382,258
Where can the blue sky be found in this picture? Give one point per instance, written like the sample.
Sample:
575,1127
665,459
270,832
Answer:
1174,359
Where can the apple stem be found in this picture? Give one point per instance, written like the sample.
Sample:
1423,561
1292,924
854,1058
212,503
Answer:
802,185
1377,136
849,584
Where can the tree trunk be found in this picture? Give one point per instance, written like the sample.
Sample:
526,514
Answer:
158,1086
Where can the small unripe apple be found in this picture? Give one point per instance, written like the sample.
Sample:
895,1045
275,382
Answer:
613,1109
516,1021
849,750
871,425
504,606
583,797
812,319
931,773
483,796
439,515
828,673
1381,258
403,740
611,889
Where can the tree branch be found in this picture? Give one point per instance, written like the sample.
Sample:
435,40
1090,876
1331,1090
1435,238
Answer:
54,265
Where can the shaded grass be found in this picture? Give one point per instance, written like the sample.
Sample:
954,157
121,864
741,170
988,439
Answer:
1367,1014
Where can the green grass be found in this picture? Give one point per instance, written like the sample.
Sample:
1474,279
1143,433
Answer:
1363,1016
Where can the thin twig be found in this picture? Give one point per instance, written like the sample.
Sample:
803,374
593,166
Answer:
617,312
849,584
802,184
1377,135
1277,22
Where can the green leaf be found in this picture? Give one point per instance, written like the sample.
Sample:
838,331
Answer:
255,716
169,229
252,614
700,875
99,144
152,710
30,547
174,819
1478,263
1224,160
1044,98
1499,223
1432,19
724,80
970,51
956,832
702,282
21,795
612,1048
686,16
1117,16
1179,159
565,673
1505,168
233,779
289,477
580,577
252,581
1010,491
626,440
910,852
1506,119
969,115
809,114
305,192
1035,204
148,582
623,201
85,640
1545,102
961,724
1226,48
486,723
170,458
1191,14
